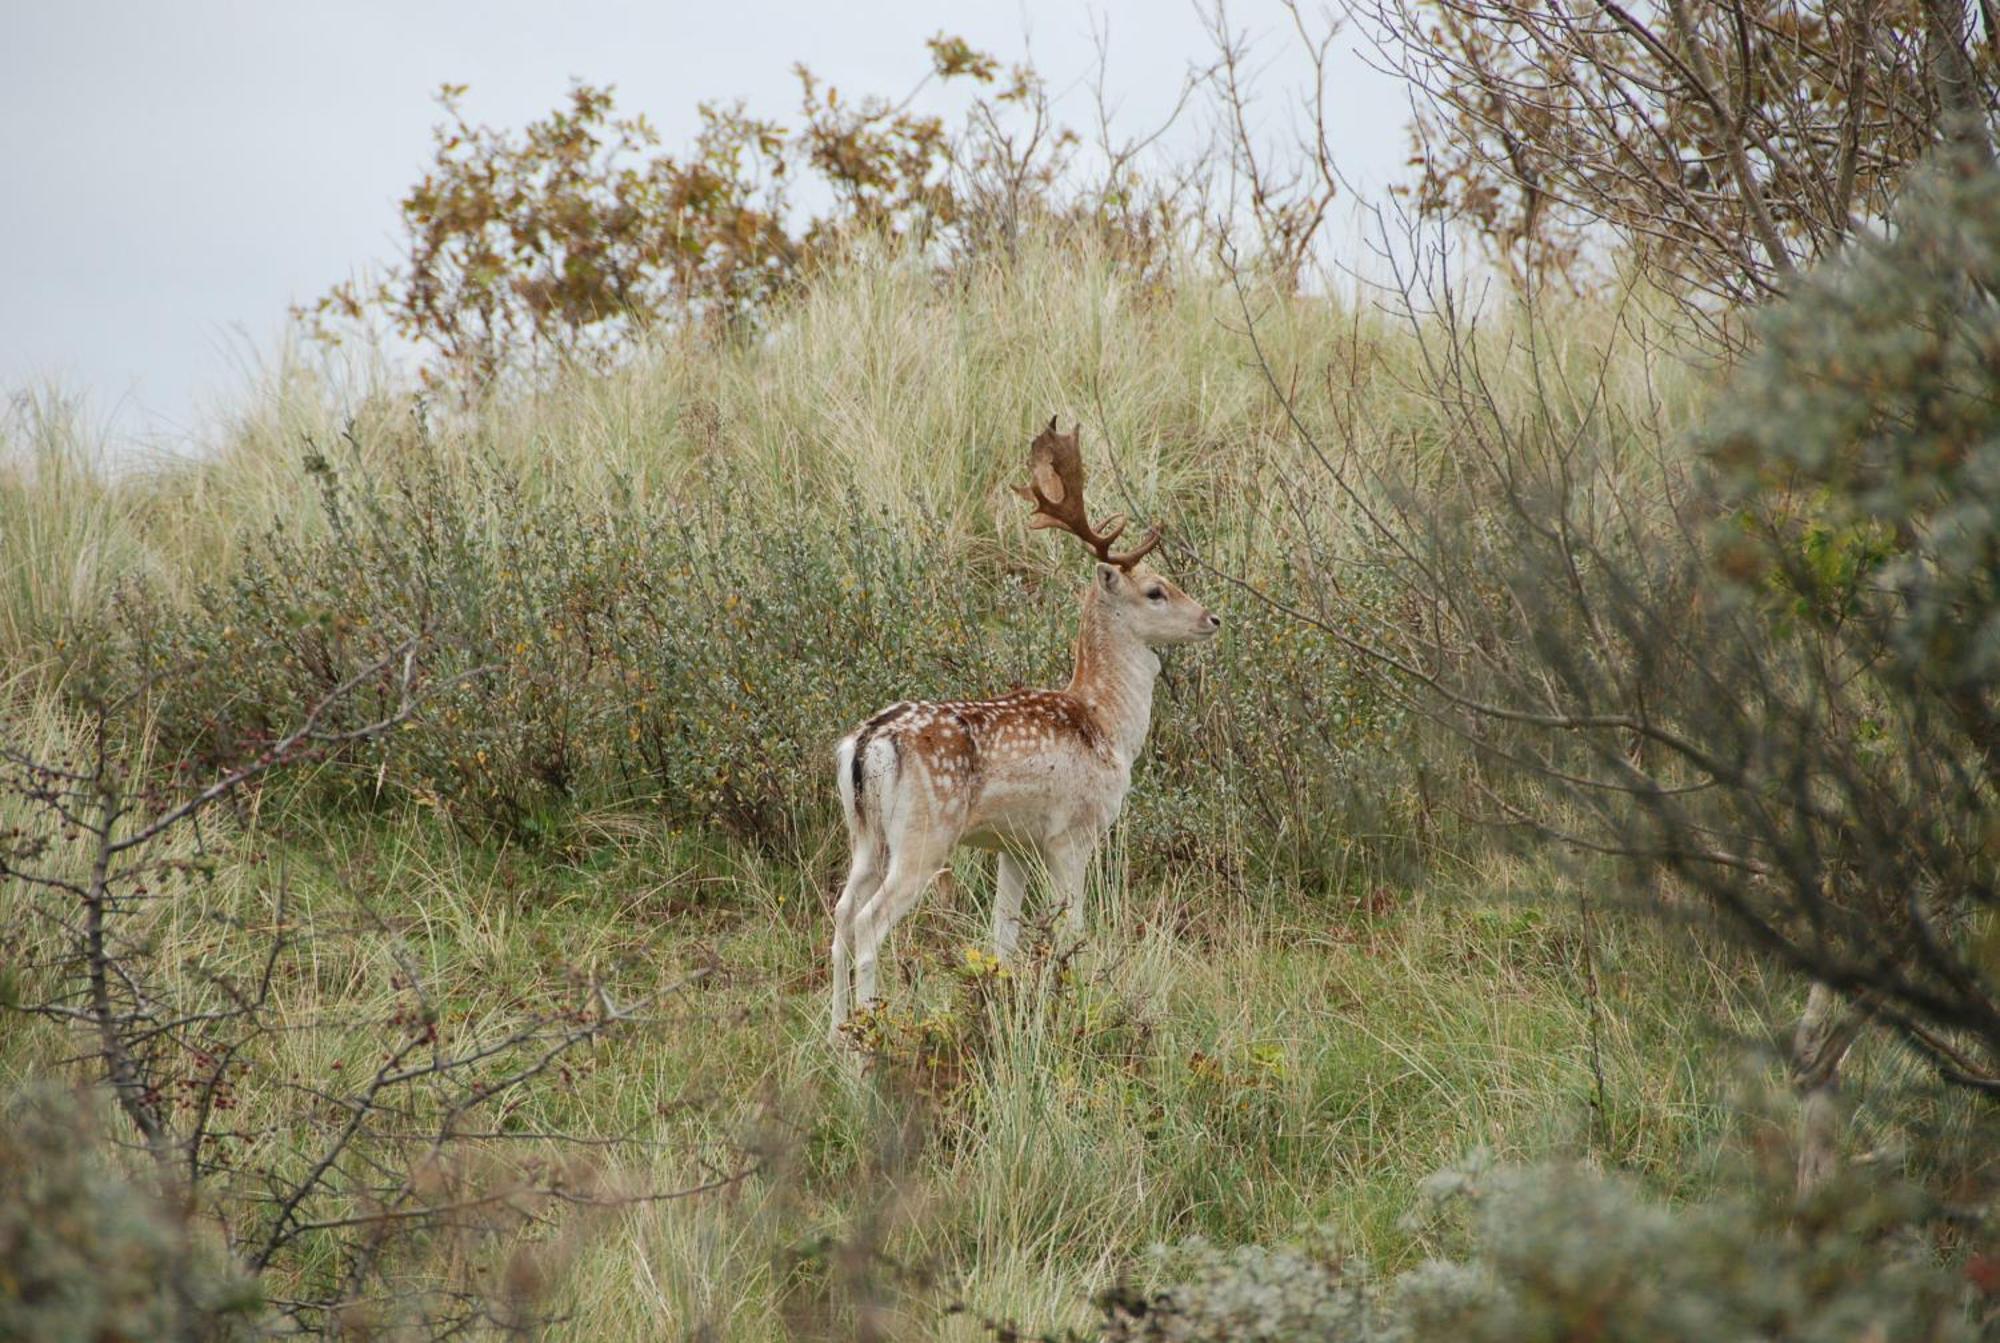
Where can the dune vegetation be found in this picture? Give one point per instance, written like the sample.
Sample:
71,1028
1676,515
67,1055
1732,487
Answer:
497,997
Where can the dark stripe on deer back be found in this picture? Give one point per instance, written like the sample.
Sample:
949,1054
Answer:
861,740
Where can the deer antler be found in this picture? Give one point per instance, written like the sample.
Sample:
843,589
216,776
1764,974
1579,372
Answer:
1055,488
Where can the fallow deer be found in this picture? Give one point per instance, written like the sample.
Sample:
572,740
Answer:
1038,775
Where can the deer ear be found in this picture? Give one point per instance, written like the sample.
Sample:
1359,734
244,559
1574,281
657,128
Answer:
1108,576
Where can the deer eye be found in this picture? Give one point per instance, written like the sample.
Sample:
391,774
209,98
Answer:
1156,594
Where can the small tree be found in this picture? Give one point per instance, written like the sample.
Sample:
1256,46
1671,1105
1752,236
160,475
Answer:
1726,143
1769,673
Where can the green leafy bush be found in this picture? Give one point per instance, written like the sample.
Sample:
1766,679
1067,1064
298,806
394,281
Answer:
700,656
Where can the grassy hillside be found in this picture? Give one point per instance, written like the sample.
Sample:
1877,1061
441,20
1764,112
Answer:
1307,983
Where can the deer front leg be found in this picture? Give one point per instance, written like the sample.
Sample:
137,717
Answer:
1068,862
1012,881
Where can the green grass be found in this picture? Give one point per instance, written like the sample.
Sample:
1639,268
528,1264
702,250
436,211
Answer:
1243,1069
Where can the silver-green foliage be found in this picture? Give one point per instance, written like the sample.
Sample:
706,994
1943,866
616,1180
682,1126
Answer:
87,1254
1566,1253
1253,1294
1562,1253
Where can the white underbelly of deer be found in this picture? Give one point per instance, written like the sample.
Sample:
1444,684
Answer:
1038,775
1030,805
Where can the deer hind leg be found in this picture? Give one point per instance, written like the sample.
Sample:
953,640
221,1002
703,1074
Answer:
911,866
864,878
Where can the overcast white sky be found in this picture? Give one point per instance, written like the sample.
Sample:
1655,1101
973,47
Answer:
181,173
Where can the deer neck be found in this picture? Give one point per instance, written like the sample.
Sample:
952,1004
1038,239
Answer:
1114,679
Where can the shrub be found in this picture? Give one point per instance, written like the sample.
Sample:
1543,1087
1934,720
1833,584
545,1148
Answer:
1251,1294
88,1254
1564,1253
562,242
699,656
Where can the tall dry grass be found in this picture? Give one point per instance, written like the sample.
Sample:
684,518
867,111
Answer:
883,379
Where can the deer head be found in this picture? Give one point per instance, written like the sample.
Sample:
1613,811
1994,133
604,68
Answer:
1055,488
